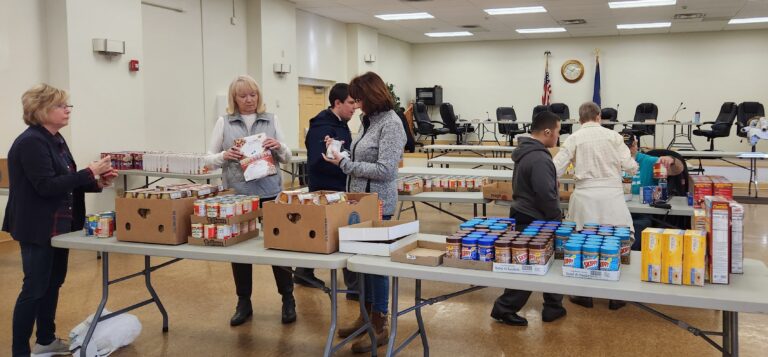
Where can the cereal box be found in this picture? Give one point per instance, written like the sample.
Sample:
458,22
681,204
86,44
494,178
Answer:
737,237
701,186
694,263
650,260
719,242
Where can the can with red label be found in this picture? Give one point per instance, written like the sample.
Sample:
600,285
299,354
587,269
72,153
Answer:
209,231
197,230
659,171
200,208
212,209
105,229
254,203
223,231
252,225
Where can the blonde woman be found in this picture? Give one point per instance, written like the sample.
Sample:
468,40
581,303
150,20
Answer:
247,115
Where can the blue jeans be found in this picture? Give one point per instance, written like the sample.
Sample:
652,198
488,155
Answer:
377,288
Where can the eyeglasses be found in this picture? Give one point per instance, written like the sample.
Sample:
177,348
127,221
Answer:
64,106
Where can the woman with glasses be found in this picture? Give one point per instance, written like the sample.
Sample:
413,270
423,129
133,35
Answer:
46,198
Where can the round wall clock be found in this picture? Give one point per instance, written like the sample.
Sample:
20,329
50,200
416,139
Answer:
572,71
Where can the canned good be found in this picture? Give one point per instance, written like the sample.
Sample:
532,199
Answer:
254,203
209,231
104,229
226,209
212,209
235,230
223,231
197,230
647,194
200,208
91,224
252,225
244,228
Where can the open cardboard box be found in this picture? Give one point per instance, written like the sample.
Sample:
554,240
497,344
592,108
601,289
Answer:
382,248
500,190
467,264
420,252
153,220
223,242
378,230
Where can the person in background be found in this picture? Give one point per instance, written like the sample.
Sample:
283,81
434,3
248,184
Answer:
247,115
372,167
331,122
599,156
535,196
46,198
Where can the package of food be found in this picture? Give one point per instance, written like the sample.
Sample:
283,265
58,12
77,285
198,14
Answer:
288,196
333,197
257,162
694,257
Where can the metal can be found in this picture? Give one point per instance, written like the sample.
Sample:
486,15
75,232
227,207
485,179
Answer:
200,208
647,194
246,204
238,207
226,209
659,171
235,230
223,231
244,227
197,230
91,224
664,196
254,203
113,216
209,231
252,225
104,229
212,209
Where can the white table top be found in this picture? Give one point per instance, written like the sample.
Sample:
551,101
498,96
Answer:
249,252
719,154
4,192
445,197
298,159
746,293
470,148
450,160
208,176
679,207
502,175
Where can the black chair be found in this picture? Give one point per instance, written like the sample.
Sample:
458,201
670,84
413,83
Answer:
538,109
645,112
410,142
721,127
611,115
449,121
508,129
746,111
562,111
677,186
424,125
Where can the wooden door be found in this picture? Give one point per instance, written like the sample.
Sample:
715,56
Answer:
311,102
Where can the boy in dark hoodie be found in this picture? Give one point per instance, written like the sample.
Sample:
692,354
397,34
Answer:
535,197
323,175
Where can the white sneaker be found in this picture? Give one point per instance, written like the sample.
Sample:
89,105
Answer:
56,348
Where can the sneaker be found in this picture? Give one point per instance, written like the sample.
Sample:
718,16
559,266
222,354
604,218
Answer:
56,348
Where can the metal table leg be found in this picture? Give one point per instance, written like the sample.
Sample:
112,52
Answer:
334,315
419,320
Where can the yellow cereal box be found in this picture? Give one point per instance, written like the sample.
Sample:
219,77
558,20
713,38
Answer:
672,256
694,263
650,259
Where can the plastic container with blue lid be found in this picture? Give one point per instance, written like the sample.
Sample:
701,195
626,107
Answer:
587,231
609,258
572,255
590,256
469,248
485,250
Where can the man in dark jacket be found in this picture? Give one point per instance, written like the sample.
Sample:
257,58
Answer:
535,197
323,175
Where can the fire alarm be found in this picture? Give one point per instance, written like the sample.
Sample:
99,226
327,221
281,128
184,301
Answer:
133,65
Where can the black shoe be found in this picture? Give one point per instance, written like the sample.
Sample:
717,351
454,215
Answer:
302,280
352,297
509,318
289,311
581,300
616,304
242,312
550,314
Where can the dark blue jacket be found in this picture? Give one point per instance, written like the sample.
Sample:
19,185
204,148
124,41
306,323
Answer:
324,175
39,182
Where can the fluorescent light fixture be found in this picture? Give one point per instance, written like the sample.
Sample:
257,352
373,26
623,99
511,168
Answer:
751,20
516,10
652,25
542,30
640,3
408,16
449,34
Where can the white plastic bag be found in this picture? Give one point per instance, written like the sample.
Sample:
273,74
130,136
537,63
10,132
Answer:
109,335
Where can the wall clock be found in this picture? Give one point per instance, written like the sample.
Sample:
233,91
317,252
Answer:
572,71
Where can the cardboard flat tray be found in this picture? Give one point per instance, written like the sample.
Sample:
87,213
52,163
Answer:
523,269
223,242
467,264
591,274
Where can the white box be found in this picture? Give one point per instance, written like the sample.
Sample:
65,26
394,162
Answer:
591,274
380,248
370,231
737,238
523,268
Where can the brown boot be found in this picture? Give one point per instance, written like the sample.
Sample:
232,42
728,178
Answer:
363,344
359,322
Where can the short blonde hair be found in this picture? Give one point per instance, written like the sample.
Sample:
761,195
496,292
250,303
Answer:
241,82
38,100
588,111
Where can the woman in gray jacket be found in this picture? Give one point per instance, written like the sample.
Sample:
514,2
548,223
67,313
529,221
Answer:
372,167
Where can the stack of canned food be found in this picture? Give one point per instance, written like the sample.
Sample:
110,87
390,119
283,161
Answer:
101,225
597,247
223,207
475,238
454,183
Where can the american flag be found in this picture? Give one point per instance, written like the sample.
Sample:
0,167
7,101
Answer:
547,85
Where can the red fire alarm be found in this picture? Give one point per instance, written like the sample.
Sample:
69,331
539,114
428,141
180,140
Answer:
133,65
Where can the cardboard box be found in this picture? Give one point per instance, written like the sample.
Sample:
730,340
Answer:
223,242
5,180
420,252
410,187
719,239
382,248
500,190
527,269
699,220
700,187
694,257
153,220
737,238
314,228
672,256
721,186
572,272
650,259
378,230
231,220
467,264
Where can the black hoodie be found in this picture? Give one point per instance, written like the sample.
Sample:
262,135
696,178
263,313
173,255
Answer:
324,175
534,181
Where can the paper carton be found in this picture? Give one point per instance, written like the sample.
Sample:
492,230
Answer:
467,264
699,220
4,179
694,252
223,242
153,220
719,238
721,186
700,186
500,190
382,248
378,230
737,237
420,252
650,259
315,228
672,256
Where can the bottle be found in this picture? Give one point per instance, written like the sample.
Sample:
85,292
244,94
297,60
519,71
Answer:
697,118
635,185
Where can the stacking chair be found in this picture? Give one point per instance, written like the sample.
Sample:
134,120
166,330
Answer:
611,115
564,113
449,121
426,126
721,127
508,129
410,142
645,112
538,109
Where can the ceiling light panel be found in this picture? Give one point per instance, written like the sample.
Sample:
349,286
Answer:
407,16
751,20
651,25
640,3
516,10
542,30
449,34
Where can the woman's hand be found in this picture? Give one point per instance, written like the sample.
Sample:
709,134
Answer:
102,166
667,161
328,140
271,144
233,154
336,158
